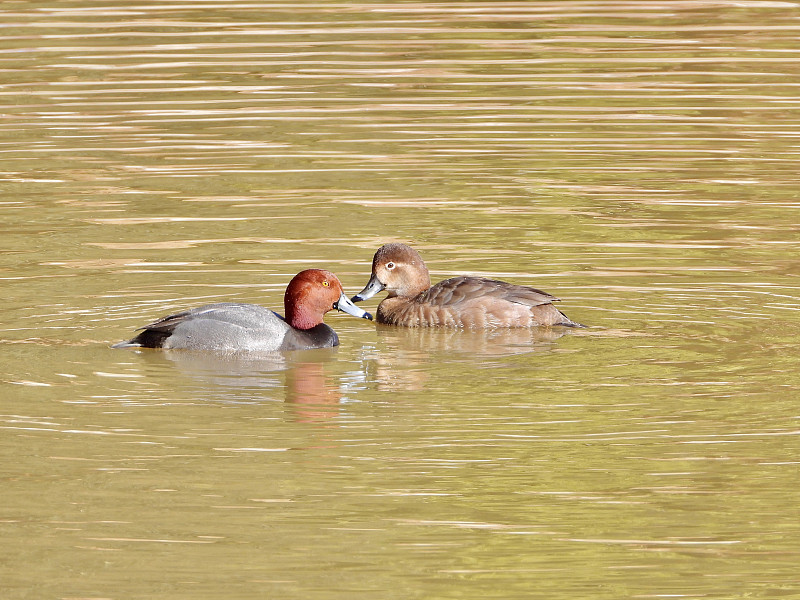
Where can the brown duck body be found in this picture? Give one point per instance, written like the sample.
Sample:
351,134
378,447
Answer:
473,302
468,302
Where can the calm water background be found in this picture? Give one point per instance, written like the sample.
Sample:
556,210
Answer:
637,159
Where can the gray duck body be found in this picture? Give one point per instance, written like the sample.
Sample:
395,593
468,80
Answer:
230,327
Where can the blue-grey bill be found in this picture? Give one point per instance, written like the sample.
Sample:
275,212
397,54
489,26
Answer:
373,287
345,305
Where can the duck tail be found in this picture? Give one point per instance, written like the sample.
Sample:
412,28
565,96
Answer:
567,322
149,338
127,344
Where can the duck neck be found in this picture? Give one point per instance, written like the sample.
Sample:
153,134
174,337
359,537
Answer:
301,317
300,310
421,283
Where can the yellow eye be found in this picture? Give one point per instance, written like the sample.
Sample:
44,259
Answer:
325,283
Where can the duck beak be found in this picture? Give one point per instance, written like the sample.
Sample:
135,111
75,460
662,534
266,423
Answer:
345,305
373,287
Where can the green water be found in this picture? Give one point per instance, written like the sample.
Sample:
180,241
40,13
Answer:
636,159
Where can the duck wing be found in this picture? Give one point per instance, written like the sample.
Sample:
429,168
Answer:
243,315
460,290
222,323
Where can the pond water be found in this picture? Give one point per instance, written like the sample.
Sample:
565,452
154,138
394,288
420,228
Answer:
637,159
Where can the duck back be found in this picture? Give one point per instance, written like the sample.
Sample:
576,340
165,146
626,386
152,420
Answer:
473,302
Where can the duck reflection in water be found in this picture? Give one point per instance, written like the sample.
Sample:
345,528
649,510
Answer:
298,378
402,361
418,348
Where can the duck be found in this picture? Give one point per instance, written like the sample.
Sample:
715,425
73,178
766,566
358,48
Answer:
465,302
229,327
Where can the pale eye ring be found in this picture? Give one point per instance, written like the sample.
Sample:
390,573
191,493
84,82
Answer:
390,265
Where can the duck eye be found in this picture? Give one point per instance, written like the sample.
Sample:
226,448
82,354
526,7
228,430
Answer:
390,265
325,283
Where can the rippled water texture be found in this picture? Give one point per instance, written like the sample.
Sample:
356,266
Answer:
637,159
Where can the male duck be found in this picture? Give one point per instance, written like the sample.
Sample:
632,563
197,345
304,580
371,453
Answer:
235,327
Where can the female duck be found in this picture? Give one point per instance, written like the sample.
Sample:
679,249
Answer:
471,302
234,327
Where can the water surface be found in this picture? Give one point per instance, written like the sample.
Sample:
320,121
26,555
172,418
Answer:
636,159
